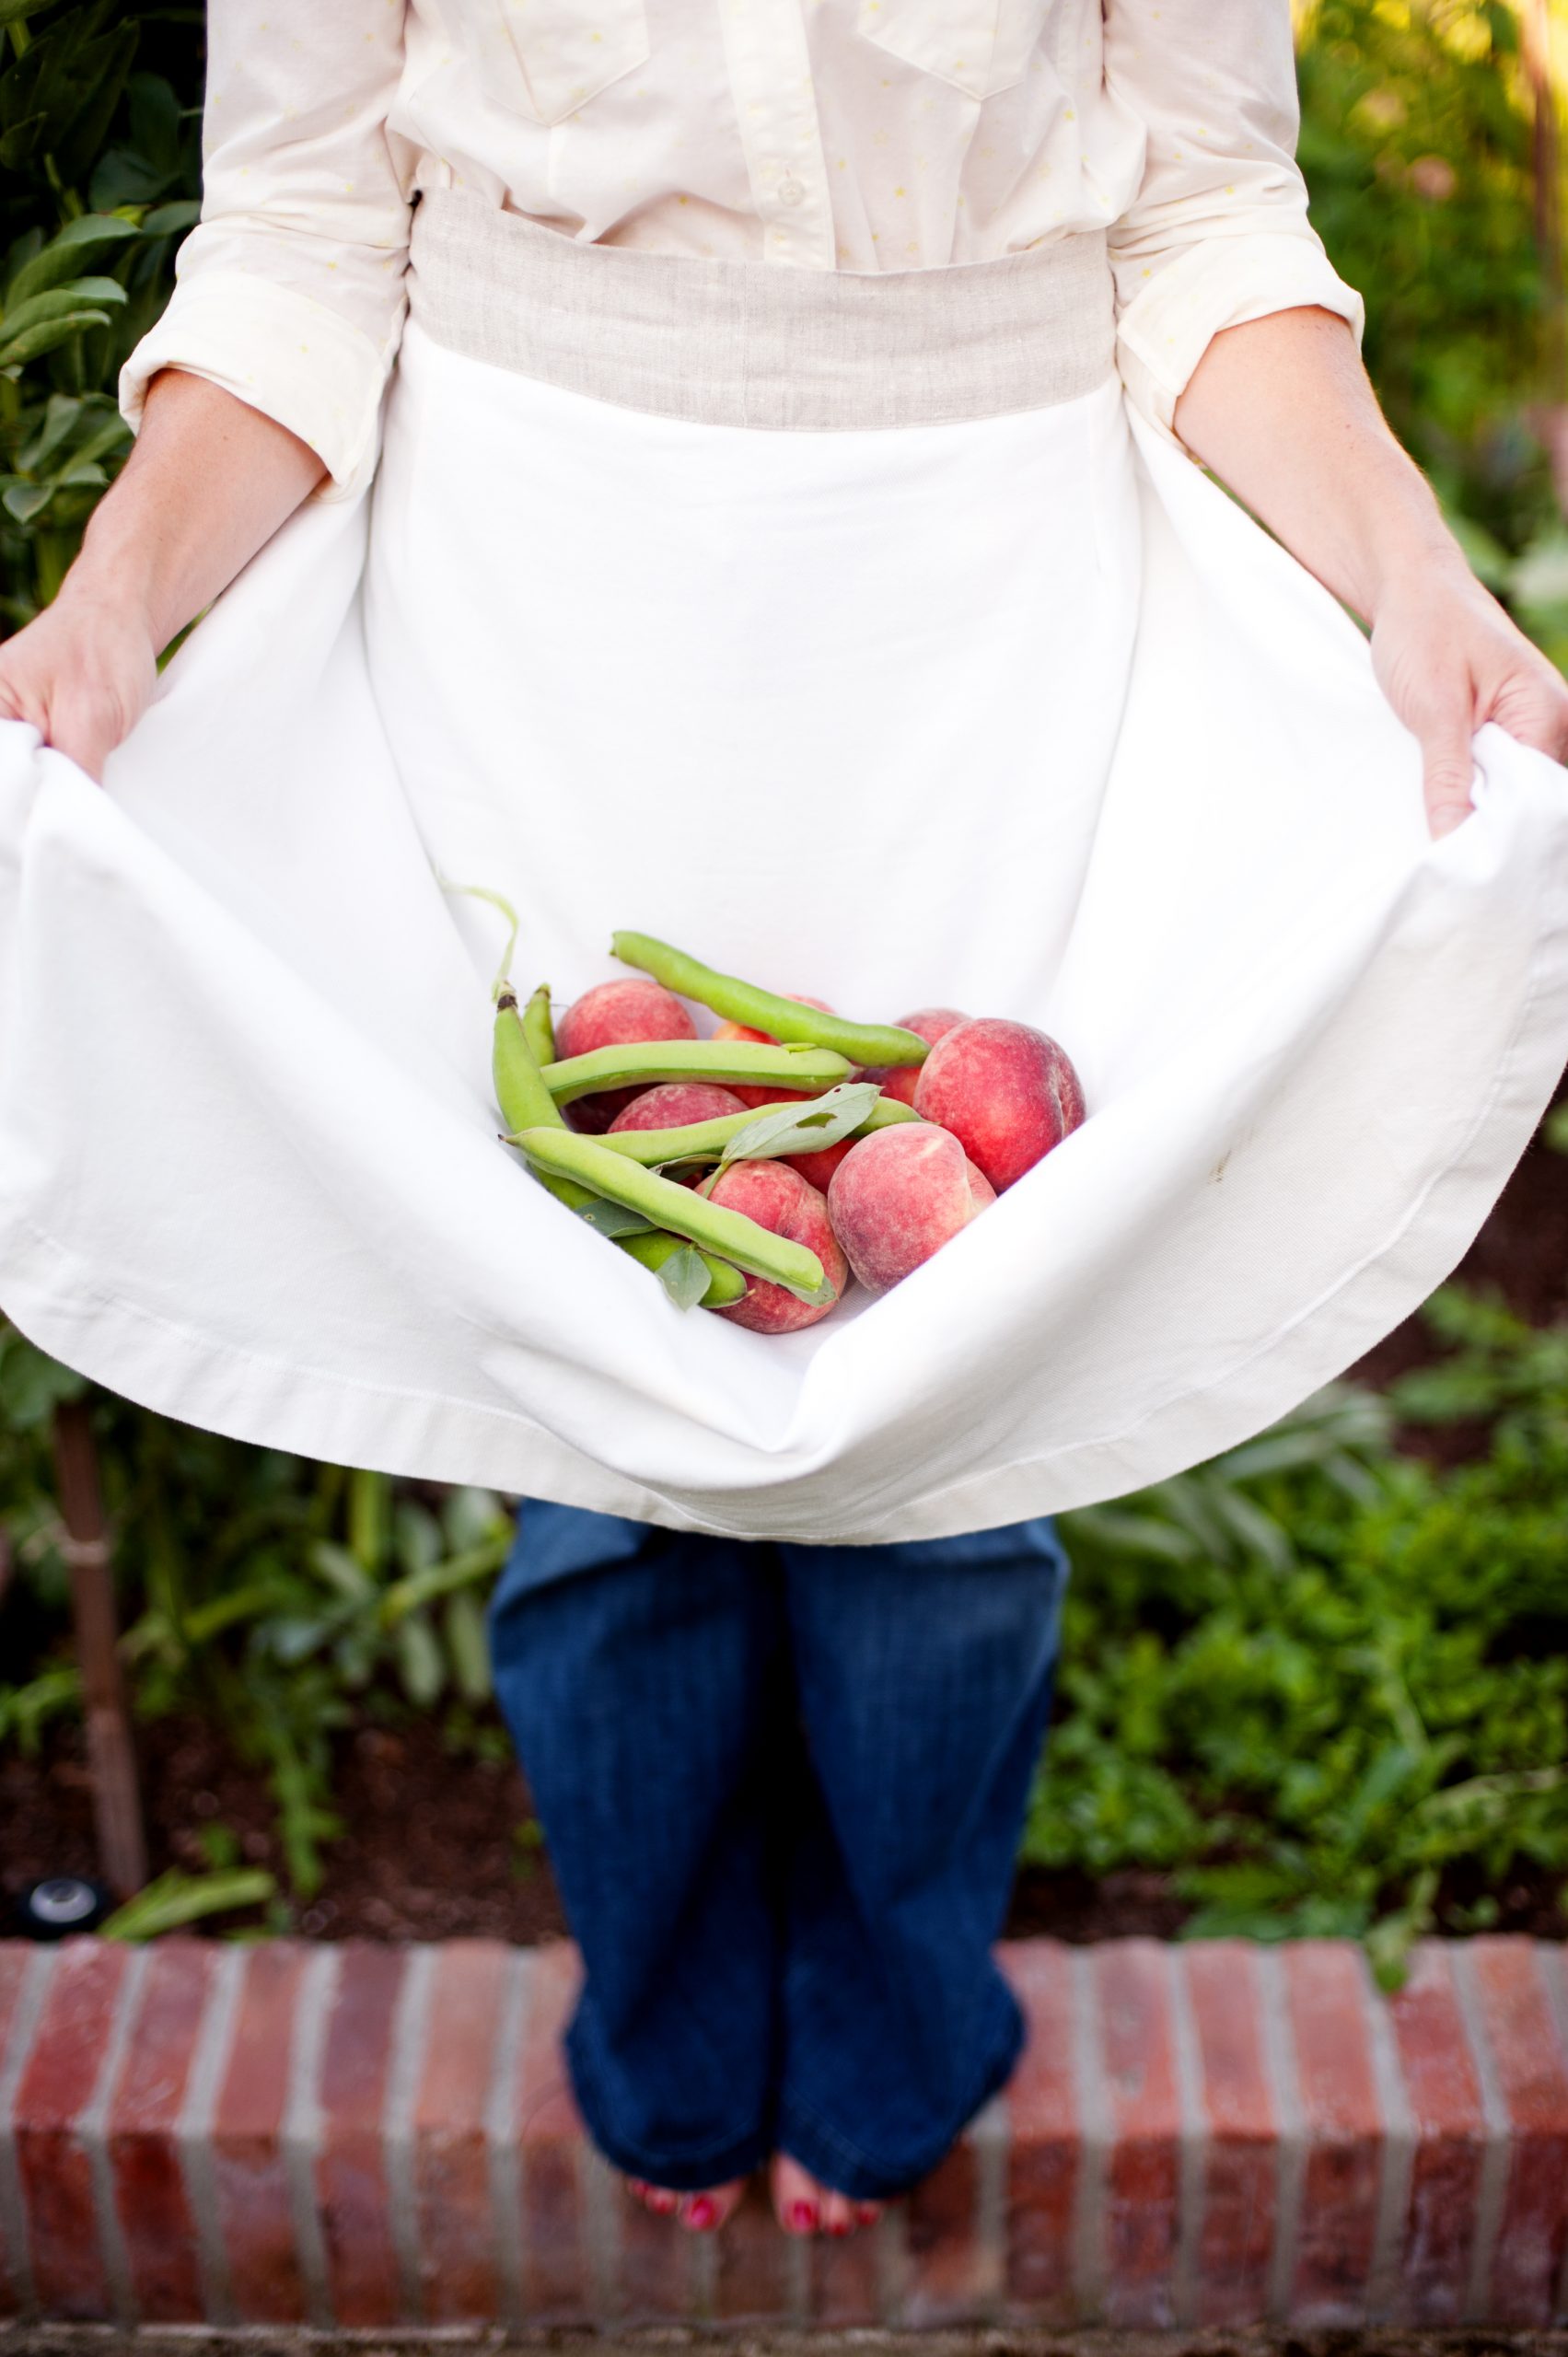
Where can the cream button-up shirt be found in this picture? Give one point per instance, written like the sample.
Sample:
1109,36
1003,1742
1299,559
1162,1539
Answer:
792,134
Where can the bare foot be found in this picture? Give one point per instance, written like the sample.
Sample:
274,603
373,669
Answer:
704,2212
802,2205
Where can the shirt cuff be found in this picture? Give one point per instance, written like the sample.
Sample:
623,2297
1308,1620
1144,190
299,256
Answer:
1219,283
280,352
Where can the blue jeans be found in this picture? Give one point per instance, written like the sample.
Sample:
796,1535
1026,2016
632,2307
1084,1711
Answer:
782,1788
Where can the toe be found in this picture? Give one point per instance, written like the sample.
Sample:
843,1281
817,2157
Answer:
797,2197
705,2213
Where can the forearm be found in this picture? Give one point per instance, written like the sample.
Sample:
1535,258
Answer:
208,484
1282,411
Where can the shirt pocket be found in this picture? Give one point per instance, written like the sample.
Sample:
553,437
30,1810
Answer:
980,46
547,58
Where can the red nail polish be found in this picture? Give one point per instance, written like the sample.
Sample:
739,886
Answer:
803,2217
870,2213
838,2226
703,2213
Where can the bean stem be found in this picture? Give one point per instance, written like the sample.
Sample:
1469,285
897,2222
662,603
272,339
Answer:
526,1103
780,1017
730,1236
539,1028
706,1141
644,1061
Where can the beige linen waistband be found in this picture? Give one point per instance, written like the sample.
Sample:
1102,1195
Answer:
742,343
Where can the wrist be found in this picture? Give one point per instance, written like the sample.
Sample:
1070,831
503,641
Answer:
116,586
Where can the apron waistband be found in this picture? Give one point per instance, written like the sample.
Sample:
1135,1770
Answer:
744,343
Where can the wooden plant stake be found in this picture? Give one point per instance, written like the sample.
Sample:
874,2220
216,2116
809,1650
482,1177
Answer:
117,1808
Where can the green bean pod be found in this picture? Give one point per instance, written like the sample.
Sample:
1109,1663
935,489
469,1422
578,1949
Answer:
706,1141
526,1103
781,1018
730,1236
644,1061
725,1283
539,1027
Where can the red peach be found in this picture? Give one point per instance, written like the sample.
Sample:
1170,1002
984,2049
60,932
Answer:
676,1104
1007,1092
612,1015
752,1096
780,1199
817,1169
931,1023
898,1196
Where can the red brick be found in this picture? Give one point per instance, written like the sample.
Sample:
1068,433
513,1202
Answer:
144,2108
1043,2152
1325,1997
1235,2240
56,2173
953,2278
1442,2087
16,1957
351,2175
557,2284
1144,2169
249,2171
842,2279
657,2259
1532,2076
468,1998
752,2280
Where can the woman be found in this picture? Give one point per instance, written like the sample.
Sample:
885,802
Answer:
852,537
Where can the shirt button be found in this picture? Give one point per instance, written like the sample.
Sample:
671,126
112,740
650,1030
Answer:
790,191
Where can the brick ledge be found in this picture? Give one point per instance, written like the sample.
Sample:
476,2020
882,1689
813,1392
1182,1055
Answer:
1199,2137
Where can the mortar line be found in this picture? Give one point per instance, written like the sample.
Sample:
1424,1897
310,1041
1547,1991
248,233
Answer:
193,2134
13,2202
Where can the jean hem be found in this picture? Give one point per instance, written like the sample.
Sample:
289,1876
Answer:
830,2156
687,2172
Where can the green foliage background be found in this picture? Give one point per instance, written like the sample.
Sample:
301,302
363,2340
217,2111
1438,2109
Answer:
1324,1686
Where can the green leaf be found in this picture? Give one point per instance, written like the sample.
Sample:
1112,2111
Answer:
420,1665
169,220
684,1277
341,1571
81,240
468,1645
827,1120
177,1898
26,499
613,1219
47,337
13,11
57,302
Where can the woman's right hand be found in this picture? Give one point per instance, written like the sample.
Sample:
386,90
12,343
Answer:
82,673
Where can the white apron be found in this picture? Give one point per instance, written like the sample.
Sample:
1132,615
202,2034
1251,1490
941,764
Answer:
844,633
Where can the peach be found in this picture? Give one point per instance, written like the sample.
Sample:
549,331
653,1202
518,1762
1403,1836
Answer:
610,1016
817,1169
1007,1092
779,1199
931,1023
752,1096
676,1104
898,1196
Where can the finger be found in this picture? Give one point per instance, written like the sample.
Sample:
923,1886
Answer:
1534,712
1447,773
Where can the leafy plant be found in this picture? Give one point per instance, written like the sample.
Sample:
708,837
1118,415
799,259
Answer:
99,156
1314,1680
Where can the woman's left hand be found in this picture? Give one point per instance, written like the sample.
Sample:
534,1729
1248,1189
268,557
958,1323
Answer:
1447,657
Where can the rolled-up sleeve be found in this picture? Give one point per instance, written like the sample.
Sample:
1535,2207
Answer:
1217,233
289,290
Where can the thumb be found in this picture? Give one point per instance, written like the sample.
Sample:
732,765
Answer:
1447,772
